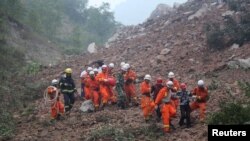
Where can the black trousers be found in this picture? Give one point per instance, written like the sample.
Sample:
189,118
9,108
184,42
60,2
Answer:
69,100
185,114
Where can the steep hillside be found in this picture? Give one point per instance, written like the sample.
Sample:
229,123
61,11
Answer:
173,42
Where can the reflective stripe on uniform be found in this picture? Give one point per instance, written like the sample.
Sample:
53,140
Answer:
166,126
67,91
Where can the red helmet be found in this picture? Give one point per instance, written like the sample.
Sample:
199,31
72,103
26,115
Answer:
159,81
183,86
111,81
51,90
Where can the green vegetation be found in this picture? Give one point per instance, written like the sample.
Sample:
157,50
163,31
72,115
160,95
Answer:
233,112
236,30
68,24
149,132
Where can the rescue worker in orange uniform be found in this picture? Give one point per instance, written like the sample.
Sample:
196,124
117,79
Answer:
176,87
94,89
129,87
113,96
200,93
104,87
87,88
147,104
57,107
163,100
155,90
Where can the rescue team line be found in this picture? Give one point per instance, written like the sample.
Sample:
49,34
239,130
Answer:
102,85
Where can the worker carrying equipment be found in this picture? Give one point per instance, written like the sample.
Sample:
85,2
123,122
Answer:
155,90
175,88
163,100
51,97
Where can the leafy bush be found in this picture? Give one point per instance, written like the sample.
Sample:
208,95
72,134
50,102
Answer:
7,124
246,87
231,113
32,68
234,112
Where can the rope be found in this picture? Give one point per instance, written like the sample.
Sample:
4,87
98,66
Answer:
47,101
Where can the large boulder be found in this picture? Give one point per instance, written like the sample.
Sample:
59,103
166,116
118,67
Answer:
92,48
87,106
161,10
204,9
239,63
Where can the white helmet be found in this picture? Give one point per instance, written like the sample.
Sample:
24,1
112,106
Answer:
54,82
91,73
122,63
127,65
124,68
147,77
170,84
111,65
95,70
89,69
200,83
104,66
170,75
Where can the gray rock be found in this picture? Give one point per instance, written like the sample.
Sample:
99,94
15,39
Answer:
161,9
204,9
239,63
160,58
234,46
165,51
44,133
92,48
227,13
87,106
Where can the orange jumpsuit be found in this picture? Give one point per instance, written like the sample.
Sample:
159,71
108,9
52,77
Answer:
87,88
147,104
57,107
94,90
104,88
167,109
176,88
129,87
113,97
202,94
